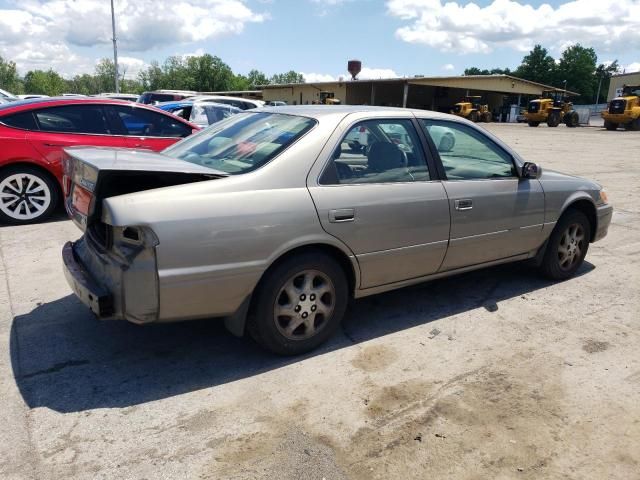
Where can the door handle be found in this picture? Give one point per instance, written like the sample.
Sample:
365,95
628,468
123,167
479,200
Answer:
342,215
464,204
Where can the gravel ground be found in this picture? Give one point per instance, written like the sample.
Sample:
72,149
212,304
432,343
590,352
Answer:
495,374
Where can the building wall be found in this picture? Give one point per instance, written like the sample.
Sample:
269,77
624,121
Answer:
619,81
303,94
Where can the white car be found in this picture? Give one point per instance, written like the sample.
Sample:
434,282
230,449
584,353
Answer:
241,103
7,95
30,96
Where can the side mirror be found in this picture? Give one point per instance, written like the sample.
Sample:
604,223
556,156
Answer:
530,170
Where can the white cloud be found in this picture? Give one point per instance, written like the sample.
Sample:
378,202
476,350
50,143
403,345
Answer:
376,73
632,67
130,67
32,28
318,77
448,67
465,27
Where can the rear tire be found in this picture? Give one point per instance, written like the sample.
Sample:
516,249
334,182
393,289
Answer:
610,125
486,117
533,124
571,119
567,246
473,116
633,125
299,304
27,195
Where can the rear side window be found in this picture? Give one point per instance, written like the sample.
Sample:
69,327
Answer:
140,122
23,120
88,119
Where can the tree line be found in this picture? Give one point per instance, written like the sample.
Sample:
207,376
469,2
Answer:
202,73
577,70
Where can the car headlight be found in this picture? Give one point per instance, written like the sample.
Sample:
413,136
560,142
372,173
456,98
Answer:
604,198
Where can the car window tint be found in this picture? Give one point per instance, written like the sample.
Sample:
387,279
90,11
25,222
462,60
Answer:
378,151
141,122
23,120
73,119
468,154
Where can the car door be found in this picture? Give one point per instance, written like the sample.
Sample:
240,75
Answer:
146,128
68,126
494,213
383,202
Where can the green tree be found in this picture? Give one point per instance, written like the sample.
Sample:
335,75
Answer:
288,77
44,82
256,78
538,66
603,74
151,78
207,73
493,71
9,78
577,67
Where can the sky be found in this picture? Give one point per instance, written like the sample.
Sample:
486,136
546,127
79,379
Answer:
316,37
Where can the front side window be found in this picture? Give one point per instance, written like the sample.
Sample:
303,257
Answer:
243,142
468,154
378,151
89,119
140,122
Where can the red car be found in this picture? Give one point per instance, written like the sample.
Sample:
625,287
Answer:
34,132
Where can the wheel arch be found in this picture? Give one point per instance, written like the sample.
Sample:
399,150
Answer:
236,323
36,166
586,206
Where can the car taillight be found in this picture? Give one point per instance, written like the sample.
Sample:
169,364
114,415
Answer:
81,200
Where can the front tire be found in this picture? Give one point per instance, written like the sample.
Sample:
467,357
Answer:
533,124
553,120
299,304
27,195
610,125
567,246
473,116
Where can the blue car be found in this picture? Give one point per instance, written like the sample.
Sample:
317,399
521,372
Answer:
202,114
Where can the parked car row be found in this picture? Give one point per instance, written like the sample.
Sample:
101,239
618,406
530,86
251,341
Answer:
33,134
267,221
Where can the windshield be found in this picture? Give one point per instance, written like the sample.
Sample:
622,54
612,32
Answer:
241,143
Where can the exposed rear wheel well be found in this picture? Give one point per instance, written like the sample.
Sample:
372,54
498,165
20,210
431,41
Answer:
40,169
330,250
586,207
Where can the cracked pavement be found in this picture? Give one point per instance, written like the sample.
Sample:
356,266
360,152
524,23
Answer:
523,379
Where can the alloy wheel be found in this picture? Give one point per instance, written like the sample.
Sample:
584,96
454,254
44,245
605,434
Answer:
24,196
304,305
571,246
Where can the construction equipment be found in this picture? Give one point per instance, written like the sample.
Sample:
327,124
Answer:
552,108
471,109
624,110
328,98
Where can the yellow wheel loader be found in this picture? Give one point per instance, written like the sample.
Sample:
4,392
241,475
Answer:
553,110
624,110
328,98
471,109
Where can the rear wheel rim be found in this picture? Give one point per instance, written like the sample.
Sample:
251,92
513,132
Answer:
304,305
24,196
571,246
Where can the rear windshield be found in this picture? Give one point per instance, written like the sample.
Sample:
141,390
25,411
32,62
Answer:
242,143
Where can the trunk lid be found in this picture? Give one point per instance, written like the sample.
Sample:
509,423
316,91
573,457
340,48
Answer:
93,174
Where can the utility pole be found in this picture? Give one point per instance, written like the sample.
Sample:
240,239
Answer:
115,47
599,85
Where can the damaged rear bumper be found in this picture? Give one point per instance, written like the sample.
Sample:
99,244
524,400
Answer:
93,295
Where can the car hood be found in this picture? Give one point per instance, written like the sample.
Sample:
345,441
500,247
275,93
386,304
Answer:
555,176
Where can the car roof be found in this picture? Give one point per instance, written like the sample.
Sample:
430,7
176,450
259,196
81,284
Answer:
59,101
318,111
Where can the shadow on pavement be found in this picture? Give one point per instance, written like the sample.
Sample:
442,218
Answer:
66,360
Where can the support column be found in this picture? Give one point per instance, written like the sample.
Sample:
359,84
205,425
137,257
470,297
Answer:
373,94
405,94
